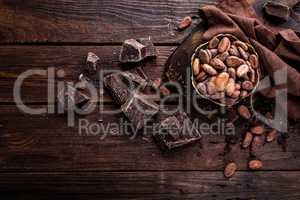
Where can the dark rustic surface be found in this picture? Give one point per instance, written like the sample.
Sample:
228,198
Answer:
41,158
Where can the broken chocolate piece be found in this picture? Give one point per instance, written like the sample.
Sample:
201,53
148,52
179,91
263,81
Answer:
92,61
122,84
176,131
69,98
137,50
281,9
117,88
139,110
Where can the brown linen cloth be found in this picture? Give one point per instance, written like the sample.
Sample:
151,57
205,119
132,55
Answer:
276,49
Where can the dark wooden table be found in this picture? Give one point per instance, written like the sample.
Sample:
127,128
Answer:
42,158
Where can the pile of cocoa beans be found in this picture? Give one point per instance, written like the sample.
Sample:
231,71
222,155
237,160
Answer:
225,69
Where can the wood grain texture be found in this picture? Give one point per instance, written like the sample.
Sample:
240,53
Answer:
94,21
150,185
45,143
98,21
70,59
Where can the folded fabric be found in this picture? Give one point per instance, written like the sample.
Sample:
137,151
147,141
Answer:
281,9
277,49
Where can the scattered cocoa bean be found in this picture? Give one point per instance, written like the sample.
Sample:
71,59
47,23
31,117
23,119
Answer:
244,112
230,169
185,22
256,146
247,140
272,135
258,130
255,164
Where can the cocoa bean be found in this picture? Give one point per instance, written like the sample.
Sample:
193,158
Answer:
256,146
202,88
230,169
247,85
231,73
185,22
233,51
243,94
209,69
223,56
213,43
201,76
196,67
204,56
230,88
244,112
255,164
258,130
224,45
221,81
213,52
254,61
242,70
237,86
233,61
243,53
241,44
218,96
236,94
211,88
252,75
272,135
217,63
247,140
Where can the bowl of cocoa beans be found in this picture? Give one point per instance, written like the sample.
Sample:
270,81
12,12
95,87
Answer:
225,70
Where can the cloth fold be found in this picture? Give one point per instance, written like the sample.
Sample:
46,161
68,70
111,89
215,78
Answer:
277,49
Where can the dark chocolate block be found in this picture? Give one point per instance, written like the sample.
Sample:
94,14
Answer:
137,50
69,97
176,131
117,88
139,110
121,85
278,10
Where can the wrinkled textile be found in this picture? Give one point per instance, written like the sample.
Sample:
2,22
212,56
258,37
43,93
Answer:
277,49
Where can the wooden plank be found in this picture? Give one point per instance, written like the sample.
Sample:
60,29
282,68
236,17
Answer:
151,185
71,59
45,143
94,21
99,21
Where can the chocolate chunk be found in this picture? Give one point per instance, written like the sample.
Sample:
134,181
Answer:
117,88
69,98
139,111
277,10
121,85
176,131
92,61
137,50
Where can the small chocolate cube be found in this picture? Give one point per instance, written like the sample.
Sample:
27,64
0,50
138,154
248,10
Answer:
92,61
